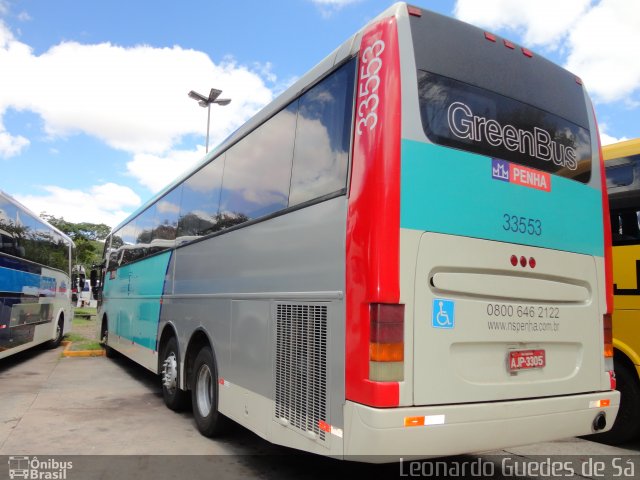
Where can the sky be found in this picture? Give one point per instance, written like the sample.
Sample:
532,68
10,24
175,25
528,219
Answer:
94,113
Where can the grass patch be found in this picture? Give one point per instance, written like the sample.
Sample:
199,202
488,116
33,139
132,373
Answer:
75,337
78,342
86,345
81,322
86,312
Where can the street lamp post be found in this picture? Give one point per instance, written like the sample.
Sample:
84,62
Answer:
206,102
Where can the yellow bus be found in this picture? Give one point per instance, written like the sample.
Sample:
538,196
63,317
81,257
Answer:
623,183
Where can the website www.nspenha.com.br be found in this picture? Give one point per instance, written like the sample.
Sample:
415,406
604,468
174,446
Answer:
522,326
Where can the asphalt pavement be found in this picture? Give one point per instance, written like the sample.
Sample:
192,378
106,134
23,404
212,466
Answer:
57,407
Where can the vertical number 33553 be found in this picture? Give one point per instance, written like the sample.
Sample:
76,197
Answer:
369,83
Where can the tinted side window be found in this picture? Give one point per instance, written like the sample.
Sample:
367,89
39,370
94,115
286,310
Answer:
257,171
146,223
126,239
201,201
168,213
114,251
623,174
323,134
30,239
60,253
625,226
10,233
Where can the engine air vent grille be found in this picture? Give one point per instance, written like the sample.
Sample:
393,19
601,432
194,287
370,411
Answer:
301,367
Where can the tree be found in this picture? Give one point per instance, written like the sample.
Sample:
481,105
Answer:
88,237
86,230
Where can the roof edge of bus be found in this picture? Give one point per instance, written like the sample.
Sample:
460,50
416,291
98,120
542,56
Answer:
621,149
31,212
339,54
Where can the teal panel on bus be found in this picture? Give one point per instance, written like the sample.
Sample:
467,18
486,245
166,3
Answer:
451,191
134,299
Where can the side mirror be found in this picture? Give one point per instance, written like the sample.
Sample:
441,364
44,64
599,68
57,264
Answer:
93,278
74,281
81,281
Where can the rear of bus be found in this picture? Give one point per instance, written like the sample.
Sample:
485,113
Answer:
477,313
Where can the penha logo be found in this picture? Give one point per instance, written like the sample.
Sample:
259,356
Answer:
500,169
524,176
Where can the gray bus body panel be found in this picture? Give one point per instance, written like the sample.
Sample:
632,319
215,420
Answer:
228,284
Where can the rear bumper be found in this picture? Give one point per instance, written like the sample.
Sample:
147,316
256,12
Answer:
379,435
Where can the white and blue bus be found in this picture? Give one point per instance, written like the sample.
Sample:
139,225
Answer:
35,286
405,254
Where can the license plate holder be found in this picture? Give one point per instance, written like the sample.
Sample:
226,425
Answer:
519,360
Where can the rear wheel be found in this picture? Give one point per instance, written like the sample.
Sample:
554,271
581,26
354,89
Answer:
627,425
174,398
59,332
104,337
204,395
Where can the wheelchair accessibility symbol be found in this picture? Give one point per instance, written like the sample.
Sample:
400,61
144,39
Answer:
443,313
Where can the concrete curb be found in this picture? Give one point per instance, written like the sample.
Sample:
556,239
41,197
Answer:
79,353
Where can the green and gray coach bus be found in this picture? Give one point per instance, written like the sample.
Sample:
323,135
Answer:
406,253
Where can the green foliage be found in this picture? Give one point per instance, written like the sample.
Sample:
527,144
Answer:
85,230
88,237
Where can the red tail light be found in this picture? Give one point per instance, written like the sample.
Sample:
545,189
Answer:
387,324
608,335
386,343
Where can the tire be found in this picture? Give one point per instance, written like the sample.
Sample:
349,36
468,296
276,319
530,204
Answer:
174,398
104,337
55,343
627,424
204,395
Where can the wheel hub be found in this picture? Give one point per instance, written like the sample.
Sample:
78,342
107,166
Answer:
170,372
204,390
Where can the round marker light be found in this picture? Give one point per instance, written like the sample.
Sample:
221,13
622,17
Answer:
523,262
514,260
532,262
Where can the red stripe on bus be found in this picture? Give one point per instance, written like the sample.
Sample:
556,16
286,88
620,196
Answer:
373,222
606,225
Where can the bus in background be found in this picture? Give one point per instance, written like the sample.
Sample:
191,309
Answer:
402,255
35,289
622,161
